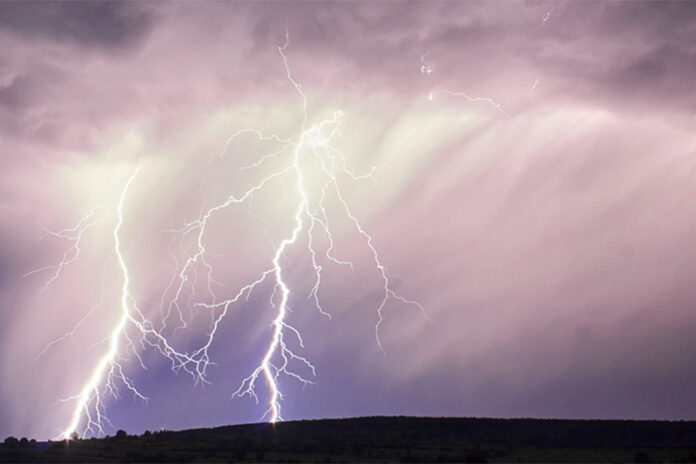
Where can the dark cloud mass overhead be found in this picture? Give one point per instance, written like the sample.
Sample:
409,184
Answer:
533,174
110,25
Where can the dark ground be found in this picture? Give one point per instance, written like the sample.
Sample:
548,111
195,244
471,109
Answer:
385,439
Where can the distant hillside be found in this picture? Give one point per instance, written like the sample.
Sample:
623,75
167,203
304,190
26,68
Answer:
385,439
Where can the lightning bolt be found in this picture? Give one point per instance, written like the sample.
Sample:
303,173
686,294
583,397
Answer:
310,151
310,216
91,392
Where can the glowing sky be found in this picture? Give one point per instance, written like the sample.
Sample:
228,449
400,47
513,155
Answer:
534,190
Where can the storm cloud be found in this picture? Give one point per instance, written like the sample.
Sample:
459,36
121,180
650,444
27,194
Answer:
544,220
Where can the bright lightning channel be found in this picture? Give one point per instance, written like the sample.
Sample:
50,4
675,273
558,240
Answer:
313,142
90,391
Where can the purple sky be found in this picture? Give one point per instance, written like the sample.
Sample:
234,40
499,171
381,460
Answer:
534,192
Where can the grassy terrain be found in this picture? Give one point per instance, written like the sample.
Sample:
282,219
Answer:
385,439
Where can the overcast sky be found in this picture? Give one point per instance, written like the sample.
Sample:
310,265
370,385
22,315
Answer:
534,190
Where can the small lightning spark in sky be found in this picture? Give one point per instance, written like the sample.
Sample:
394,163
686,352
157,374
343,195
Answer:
426,68
547,16
490,101
530,93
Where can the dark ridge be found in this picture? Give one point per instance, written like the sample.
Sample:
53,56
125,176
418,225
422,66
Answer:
384,439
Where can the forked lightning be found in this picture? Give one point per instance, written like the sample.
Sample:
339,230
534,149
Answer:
310,151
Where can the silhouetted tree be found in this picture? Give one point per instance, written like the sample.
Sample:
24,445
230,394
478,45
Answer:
121,434
11,442
57,444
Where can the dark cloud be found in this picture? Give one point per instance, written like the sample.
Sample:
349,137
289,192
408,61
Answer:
634,54
105,24
664,74
672,20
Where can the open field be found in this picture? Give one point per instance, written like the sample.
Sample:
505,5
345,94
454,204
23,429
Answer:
387,439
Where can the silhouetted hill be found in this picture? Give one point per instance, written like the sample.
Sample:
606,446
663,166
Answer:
385,439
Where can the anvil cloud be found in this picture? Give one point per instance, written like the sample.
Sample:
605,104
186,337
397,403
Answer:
550,239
